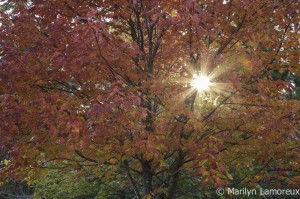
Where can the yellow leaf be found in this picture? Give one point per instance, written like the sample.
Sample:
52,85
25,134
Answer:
229,176
6,162
113,161
147,196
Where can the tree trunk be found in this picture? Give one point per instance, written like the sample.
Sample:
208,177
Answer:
175,176
147,177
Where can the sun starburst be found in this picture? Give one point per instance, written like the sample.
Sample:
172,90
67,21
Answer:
204,87
201,82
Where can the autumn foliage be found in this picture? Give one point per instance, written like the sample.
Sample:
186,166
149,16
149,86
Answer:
103,87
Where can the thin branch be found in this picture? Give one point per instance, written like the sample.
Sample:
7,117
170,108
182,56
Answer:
227,42
219,105
85,157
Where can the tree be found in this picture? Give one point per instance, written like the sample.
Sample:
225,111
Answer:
106,85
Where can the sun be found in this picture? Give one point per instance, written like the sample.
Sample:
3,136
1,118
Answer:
201,82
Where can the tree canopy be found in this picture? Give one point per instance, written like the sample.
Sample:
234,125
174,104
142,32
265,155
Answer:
104,88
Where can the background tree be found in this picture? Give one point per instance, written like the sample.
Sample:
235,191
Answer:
106,86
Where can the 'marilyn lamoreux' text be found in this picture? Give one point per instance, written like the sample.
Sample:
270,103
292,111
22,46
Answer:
262,192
